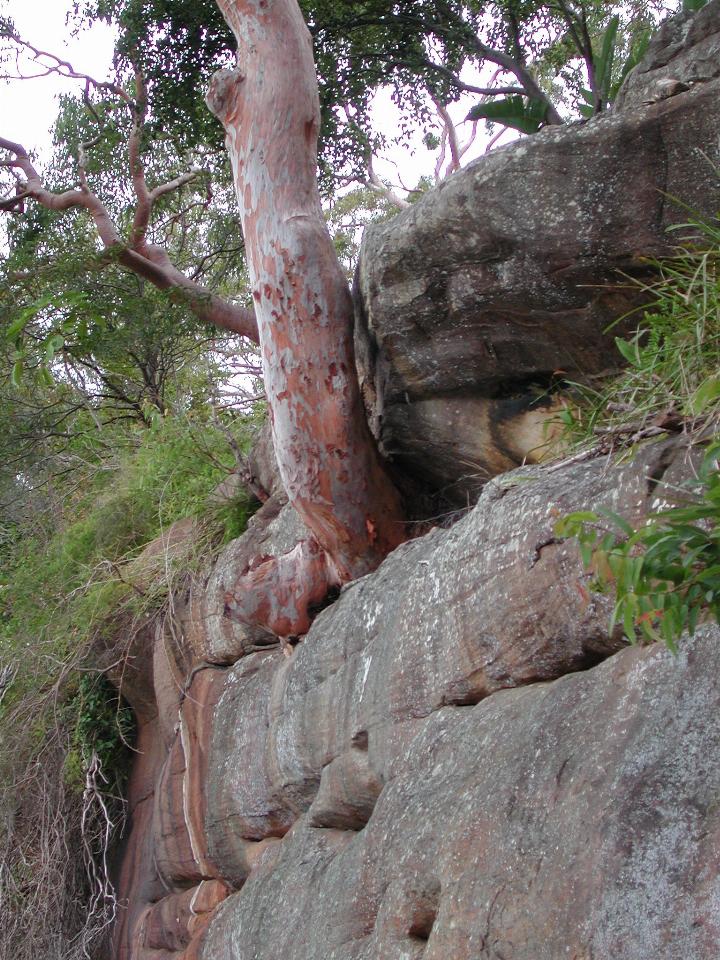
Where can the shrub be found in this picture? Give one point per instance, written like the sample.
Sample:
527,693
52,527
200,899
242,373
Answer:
666,574
672,377
65,733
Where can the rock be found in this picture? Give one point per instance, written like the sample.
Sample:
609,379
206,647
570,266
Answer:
495,602
211,636
172,923
473,302
684,52
572,819
286,778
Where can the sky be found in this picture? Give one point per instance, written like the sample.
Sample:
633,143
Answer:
28,108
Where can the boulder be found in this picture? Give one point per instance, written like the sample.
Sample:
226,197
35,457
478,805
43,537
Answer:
475,301
683,53
496,602
459,757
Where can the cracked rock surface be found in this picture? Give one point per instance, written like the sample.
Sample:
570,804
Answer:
457,761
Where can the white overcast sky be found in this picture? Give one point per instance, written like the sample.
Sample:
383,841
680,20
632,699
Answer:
28,108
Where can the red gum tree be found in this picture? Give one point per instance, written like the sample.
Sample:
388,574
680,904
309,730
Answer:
328,460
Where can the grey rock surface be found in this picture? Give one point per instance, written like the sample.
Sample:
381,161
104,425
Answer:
578,818
451,618
684,52
506,276
458,760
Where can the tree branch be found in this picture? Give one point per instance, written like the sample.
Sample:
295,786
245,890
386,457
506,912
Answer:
375,184
451,134
149,262
471,88
529,84
65,69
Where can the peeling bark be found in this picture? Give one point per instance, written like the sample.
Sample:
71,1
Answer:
328,460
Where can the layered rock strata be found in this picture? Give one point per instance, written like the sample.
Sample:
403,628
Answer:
353,801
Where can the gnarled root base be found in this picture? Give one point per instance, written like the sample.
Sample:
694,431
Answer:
277,593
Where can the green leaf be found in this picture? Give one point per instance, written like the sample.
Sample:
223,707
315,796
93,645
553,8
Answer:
704,396
636,54
604,61
518,113
45,377
53,345
586,553
629,620
629,350
617,520
17,326
16,376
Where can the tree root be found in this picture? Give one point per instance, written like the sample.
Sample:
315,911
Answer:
278,593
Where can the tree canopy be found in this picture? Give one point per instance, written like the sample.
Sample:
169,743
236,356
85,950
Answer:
560,55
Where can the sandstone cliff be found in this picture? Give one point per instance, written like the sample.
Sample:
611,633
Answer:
458,760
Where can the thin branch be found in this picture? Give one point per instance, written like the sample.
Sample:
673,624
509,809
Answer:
470,87
65,69
374,182
451,134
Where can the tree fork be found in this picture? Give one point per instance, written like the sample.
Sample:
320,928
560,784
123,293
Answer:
328,460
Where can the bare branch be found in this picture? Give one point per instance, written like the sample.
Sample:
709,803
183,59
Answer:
374,182
459,84
64,69
148,262
518,70
451,134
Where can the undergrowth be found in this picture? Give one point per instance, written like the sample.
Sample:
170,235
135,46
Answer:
666,574
75,590
672,378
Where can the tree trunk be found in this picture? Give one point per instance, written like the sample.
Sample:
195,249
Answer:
328,460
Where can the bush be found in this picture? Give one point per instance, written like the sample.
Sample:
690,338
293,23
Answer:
666,574
672,377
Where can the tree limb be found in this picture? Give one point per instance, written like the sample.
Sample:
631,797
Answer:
529,84
375,184
470,87
149,262
451,133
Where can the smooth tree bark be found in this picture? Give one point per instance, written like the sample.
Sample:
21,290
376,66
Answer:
328,460
303,316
